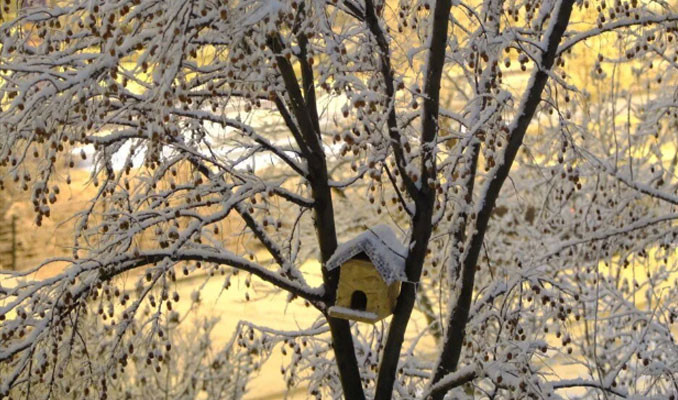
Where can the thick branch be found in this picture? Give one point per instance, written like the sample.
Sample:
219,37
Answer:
424,200
301,113
119,264
224,257
307,76
451,381
289,122
342,339
449,357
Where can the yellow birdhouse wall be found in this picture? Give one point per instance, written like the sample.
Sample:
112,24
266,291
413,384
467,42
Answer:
361,275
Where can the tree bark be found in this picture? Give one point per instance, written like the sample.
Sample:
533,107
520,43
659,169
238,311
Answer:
323,212
342,338
415,260
449,357
424,201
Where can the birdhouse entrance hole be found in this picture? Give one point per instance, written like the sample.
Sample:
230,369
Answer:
359,300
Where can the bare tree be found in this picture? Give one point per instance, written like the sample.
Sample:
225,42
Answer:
307,119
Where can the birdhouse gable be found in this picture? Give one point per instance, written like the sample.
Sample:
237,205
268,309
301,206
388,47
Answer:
383,249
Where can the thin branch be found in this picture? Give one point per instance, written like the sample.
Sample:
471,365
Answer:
572,383
387,73
621,23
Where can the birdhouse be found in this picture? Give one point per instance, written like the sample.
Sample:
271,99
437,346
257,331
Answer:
372,265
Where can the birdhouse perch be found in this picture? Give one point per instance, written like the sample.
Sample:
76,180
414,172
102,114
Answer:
372,267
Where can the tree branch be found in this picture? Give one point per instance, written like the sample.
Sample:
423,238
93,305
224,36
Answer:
449,357
223,257
582,383
273,249
307,77
621,23
342,339
387,73
450,381
311,138
247,130
424,198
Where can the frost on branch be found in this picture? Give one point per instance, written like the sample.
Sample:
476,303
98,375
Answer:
240,139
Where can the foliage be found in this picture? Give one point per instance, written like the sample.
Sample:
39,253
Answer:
299,121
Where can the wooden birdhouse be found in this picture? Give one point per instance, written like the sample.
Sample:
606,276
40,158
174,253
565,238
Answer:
372,265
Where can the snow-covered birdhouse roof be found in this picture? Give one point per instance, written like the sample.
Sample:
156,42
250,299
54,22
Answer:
383,248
